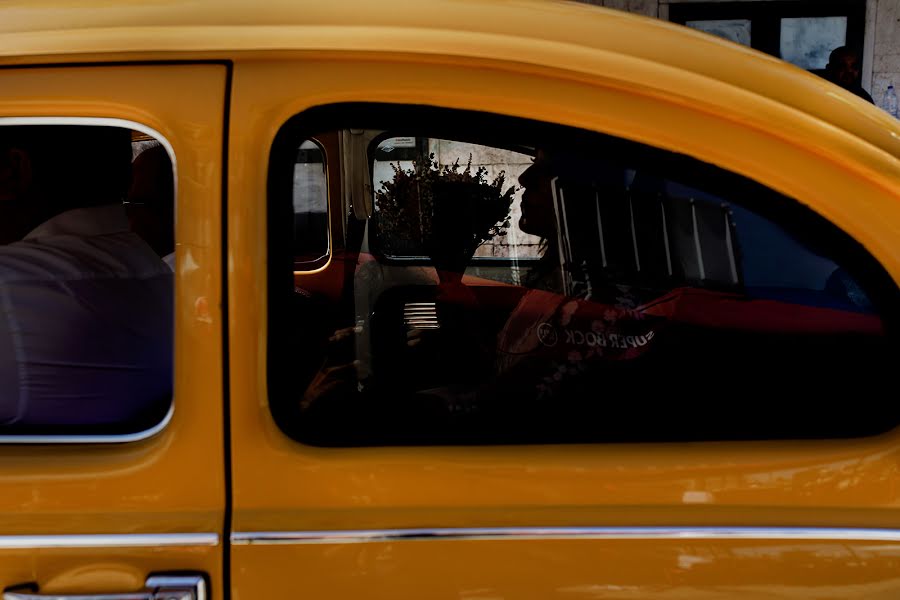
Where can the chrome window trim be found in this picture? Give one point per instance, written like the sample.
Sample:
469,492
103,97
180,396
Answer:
565,533
108,540
329,251
92,439
111,438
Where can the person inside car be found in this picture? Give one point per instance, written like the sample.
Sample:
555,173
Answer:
86,312
576,317
547,357
151,201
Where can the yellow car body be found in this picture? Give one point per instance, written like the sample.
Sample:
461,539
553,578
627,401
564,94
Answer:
221,490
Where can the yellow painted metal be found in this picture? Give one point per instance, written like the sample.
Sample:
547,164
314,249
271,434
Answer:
566,38
320,488
557,62
173,482
282,485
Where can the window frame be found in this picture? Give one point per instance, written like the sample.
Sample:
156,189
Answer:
806,225
317,264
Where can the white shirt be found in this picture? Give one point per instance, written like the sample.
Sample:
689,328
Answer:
85,327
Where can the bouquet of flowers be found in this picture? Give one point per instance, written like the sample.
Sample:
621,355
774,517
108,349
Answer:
443,211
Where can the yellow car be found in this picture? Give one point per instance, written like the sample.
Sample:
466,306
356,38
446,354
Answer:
468,300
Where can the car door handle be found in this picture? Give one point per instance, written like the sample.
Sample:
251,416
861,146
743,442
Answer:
157,587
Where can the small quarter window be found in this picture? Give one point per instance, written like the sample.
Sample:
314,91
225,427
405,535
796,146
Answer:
310,201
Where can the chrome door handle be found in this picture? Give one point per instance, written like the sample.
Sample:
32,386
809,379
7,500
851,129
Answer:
157,587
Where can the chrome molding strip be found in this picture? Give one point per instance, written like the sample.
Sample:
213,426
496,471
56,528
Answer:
96,439
108,540
565,533
91,439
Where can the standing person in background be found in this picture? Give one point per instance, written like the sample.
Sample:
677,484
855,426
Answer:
843,69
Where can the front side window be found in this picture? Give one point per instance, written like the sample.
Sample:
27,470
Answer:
86,248
506,281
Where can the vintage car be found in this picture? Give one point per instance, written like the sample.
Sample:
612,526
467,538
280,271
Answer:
471,299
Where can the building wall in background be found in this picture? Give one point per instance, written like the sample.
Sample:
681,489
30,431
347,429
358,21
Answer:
886,61
881,62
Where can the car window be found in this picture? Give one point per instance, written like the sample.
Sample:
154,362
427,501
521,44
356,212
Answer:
507,281
310,201
86,255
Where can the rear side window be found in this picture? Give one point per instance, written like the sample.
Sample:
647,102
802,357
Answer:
310,202
86,258
504,281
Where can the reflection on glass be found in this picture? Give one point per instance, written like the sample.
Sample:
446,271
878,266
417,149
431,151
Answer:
736,30
650,275
807,42
310,199
398,157
87,282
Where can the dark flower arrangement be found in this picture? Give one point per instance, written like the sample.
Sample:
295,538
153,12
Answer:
444,211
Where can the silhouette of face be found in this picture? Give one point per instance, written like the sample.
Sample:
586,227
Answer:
844,68
538,217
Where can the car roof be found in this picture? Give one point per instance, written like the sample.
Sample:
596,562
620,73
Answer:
646,53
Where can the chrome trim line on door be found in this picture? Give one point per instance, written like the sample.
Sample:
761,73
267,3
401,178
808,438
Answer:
564,533
108,540
103,122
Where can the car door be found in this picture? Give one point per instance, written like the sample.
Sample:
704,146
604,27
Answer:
108,511
699,493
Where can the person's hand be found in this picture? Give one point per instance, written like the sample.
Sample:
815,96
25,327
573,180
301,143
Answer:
334,381
415,336
330,385
343,334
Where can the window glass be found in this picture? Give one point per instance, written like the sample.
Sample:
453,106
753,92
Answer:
86,248
310,202
802,32
807,42
647,297
736,30
403,222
